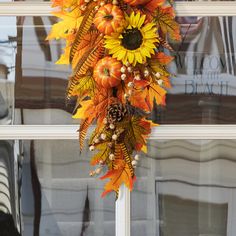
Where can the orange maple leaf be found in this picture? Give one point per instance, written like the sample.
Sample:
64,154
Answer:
164,18
119,175
155,93
162,58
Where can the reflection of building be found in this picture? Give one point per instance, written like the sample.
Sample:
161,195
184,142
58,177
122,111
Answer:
195,179
9,189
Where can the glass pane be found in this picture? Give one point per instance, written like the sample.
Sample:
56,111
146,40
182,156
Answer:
57,195
185,188
9,186
203,89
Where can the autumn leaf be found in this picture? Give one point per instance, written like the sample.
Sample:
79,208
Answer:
136,131
155,93
162,58
83,29
153,4
164,18
63,3
102,100
102,155
158,66
85,111
119,175
85,85
64,58
70,20
89,58
87,43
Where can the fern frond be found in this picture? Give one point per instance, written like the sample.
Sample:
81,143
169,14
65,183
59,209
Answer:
82,86
82,132
87,42
84,28
89,58
164,43
127,158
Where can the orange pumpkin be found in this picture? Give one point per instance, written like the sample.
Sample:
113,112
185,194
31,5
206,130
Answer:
107,72
108,18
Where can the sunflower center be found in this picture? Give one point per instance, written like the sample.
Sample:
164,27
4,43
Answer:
132,39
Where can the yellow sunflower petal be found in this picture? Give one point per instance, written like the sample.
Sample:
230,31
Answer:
138,57
136,19
147,27
131,19
121,54
130,57
141,21
115,49
145,52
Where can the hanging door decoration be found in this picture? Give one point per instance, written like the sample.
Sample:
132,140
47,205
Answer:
119,71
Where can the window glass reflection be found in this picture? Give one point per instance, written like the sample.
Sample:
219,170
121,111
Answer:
33,87
45,189
70,198
186,188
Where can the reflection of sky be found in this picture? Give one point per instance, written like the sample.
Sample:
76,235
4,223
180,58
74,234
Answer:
7,48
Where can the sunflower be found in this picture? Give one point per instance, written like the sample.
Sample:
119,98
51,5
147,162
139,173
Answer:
135,42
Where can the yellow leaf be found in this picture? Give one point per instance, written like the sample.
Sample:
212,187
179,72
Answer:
144,148
119,175
64,58
86,110
165,19
70,20
155,93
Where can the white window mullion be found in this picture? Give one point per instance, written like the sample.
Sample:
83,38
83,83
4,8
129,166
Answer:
208,8
123,219
167,132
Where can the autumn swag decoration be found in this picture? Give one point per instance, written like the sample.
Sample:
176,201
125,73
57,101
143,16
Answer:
116,49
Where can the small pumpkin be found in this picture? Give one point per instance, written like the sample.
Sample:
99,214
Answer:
108,18
107,72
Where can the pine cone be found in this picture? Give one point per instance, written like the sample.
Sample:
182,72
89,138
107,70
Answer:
116,112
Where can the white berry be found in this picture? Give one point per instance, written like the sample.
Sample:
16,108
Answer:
126,96
129,69
83,7
123,76
96,140
103,136
146,73
123,69
158,75
91,148
114,137
112,126
112,157
98,171
136,157
160,81
134,163
130,84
